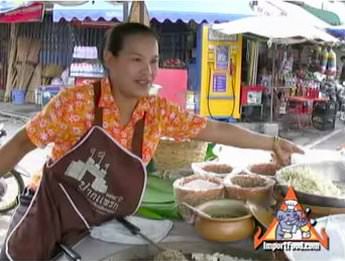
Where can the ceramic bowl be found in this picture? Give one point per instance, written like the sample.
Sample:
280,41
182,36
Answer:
230,220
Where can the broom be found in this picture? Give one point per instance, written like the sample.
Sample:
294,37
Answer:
11,74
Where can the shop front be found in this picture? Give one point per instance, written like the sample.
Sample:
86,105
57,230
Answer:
59,50
277,66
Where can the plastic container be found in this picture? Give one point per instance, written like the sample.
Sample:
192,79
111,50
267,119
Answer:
251,94
48,92
18,96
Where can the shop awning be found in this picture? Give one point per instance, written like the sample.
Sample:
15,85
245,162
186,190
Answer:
92,10
325,15
198,10
281,29
11,13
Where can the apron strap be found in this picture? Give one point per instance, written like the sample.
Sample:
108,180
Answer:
98,111
138,137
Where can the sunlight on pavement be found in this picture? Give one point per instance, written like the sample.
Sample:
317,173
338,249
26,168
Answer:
4,223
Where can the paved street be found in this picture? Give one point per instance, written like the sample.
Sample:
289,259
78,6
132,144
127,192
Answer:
333,141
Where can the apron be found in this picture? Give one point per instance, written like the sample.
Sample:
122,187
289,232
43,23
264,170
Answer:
97,180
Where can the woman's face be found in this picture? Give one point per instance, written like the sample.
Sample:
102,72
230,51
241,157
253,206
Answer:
134,69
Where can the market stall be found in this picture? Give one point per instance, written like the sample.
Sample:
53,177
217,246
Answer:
290,68
17,71
70,57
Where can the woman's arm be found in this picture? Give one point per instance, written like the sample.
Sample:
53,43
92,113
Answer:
14,150
232,135
229,134
180,125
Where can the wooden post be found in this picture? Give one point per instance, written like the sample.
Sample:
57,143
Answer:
139,13
125,11
273,80
11,77
142,12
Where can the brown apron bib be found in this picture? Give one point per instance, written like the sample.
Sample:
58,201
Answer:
94,182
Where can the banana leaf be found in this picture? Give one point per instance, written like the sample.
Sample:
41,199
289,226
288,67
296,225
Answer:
159,201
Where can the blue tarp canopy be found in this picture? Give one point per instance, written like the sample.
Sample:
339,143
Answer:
337,31
161,10
198,10
93,10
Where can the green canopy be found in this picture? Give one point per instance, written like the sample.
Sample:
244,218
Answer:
324,15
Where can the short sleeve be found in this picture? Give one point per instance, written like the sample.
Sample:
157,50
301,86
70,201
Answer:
44,127
178,123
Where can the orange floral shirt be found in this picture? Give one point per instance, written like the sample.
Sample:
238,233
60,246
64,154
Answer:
70,114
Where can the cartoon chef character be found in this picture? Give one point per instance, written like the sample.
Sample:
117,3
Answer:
292,223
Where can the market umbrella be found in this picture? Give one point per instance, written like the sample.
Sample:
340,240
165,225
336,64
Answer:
279,29
285,8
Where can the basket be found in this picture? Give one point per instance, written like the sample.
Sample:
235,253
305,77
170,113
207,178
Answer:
193,196
172,155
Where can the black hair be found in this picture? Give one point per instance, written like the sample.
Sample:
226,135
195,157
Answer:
342,58
115,37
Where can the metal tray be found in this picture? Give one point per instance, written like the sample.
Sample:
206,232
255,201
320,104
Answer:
333,170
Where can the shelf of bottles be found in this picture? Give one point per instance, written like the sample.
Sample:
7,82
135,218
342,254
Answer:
85,63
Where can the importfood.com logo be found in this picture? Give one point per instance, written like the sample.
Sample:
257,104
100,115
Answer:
291,229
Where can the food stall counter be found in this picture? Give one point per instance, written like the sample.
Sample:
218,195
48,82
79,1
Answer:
182,237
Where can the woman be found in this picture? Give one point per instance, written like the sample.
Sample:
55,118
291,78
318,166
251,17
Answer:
111,126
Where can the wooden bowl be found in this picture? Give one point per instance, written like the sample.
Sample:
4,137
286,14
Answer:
230,221
268,169
212,169
256,188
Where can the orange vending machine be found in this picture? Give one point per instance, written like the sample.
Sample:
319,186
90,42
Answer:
219,61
